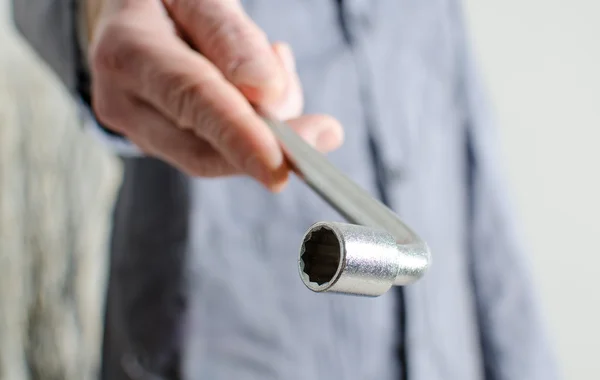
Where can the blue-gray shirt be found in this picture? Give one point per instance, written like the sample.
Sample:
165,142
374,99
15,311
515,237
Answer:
204,282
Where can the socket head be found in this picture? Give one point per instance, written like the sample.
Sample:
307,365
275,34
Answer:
349,259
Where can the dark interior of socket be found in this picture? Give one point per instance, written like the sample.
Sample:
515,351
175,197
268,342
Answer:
321,255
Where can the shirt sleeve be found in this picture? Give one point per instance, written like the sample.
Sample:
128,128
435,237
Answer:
51,27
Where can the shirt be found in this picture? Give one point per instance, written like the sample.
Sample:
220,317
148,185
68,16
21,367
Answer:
203,272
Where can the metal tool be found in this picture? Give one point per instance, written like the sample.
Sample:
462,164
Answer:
364,258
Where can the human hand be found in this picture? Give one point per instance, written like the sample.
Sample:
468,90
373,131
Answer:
178,78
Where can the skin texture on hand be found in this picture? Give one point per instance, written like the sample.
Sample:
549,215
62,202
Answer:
178,79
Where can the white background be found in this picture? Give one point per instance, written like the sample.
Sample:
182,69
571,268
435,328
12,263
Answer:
541,60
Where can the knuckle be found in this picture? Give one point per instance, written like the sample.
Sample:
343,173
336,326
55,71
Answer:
183,98
232,30
223,128
116,50
198,104
232,39
224,136
187,99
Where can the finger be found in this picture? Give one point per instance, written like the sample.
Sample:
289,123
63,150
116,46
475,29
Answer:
190,91
221,31
291,102
159,137
321,131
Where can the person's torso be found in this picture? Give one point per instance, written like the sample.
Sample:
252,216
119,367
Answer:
391,78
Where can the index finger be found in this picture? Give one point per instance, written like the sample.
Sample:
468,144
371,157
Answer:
223,32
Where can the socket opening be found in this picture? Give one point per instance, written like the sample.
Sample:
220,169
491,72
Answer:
320,256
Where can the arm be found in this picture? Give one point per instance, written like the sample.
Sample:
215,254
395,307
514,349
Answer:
512,332
193,111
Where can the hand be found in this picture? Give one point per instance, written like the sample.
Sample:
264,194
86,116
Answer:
178,79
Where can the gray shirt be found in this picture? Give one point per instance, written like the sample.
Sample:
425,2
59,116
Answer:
204,282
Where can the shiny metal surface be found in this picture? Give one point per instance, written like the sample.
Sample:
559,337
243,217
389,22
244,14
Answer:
378,251
348,258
